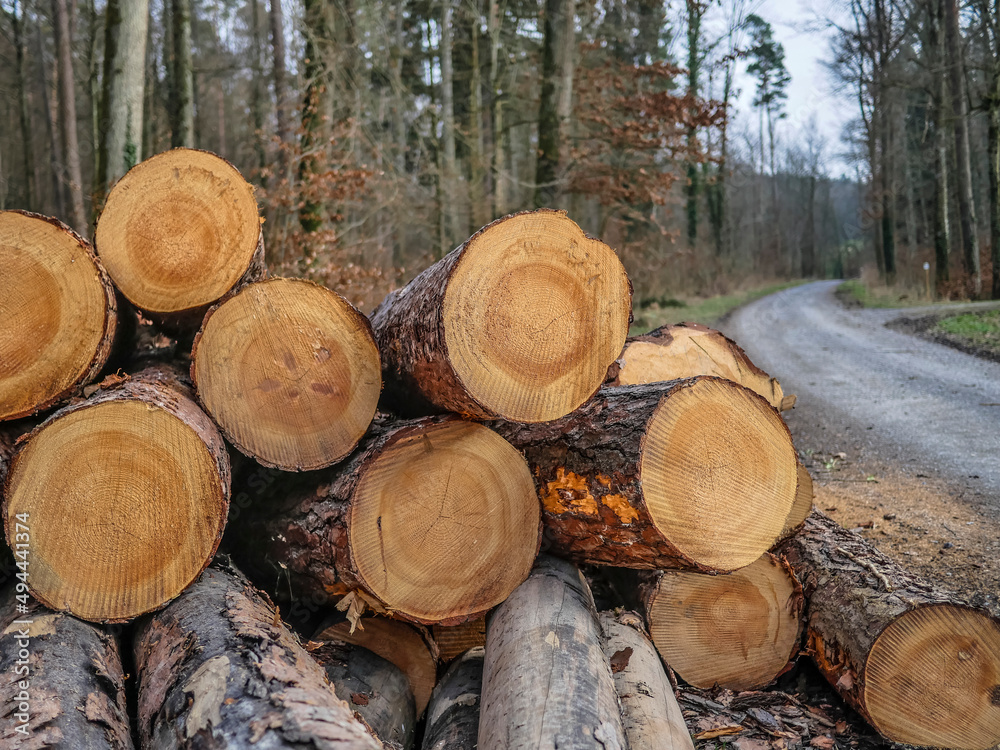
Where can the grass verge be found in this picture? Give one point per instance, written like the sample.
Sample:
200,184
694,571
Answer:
856,293
979,331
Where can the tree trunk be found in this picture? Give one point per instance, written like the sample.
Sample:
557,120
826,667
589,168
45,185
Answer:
546,682
182,93
653,476
740,631
496,106
205,198
478,208
547,164
49,107
315,125
808,269
123,139
135,440
406,646
218,669
937,104
453,715
257,91
366,528
919,666
61,680
59,309
281,102
650,714
375,689
24,106
960,114
450,170
67,110
686,350
292,397
991,21
694,13
468,334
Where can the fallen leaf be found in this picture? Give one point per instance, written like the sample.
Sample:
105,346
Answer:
359,699
711,734
745,743
824,743
620,659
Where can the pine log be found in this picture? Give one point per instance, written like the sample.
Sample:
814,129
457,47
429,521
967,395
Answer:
375,689
433,520
58,313
521,322
650,714
408,647
696,473
126,496
803,505
289,371
919,665
217,668
178,232
685,350
453,715
61,680
740,631
546,681
454,640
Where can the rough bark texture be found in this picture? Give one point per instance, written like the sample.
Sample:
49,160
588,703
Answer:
650,714
375,689
123,138
218,669
546,681
107,342
64,675
453,713
67,108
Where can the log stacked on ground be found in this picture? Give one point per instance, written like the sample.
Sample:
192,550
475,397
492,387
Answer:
740,631
61,681
696,473
453,714
803,505
406,646
650,714
921,667
290,371
178,232
434,520
58,313
521,322
688,349
546,680
217,668
455,640
375,689
127,495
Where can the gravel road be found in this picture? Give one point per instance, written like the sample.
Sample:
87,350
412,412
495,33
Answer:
885,396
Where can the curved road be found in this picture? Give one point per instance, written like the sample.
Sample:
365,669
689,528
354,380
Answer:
896,397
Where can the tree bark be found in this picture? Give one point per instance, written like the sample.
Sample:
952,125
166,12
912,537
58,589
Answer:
24,106
49,107
546,682
942,233
123,139
63,677
364,526
130,441
182,93
453,714
58,304
67,109
650,476
468,335
650,714
695,10
281,103
547,164
921,667
217,668
449,176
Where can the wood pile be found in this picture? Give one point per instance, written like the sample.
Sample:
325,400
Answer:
416,492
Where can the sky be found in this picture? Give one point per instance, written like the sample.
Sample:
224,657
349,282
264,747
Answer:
802,28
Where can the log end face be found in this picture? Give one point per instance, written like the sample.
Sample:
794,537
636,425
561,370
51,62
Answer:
933,678
534,314
719,473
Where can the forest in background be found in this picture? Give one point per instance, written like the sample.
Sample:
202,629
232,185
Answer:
382,134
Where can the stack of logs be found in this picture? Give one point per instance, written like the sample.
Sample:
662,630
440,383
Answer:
415,490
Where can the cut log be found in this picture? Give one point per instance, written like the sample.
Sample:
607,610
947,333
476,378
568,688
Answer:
740,631
126,496
179,231
374,688
521,323
290,371
650,714
61,680
433,520
803,505
58,313
455,640
546,681
696,473
398,643
453,716
920,666
689,349
217,668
